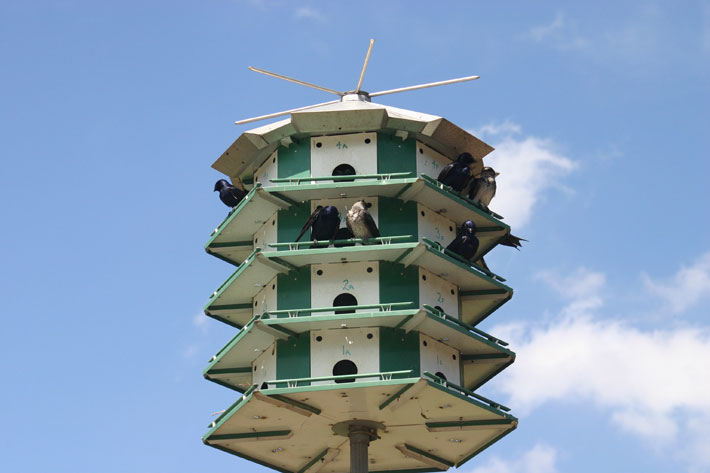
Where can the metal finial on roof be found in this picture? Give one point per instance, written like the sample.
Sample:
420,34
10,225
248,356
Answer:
344,95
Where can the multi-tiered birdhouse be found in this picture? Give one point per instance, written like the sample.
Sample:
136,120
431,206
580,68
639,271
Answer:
374,338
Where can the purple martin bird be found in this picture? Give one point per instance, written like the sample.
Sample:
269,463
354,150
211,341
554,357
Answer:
324,223
465,244
360,222
512,241
228,194
483,188
457,174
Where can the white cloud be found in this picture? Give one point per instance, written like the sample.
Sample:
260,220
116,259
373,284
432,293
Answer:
685,288
561,33
309,13
539,459
654,384
538,33
506,128
581,284
528,167
639,40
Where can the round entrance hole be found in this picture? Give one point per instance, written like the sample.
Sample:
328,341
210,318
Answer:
344,170
344,367
344,299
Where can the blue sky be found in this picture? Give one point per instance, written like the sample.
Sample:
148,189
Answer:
113,112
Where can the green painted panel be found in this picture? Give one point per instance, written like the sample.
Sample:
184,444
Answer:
395,155
290,222
294,290
295,161
397,218
399,284
399,351
293,358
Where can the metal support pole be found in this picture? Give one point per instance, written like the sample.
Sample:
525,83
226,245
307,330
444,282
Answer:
360,437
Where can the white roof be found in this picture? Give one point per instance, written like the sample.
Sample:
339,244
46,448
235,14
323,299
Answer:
348,116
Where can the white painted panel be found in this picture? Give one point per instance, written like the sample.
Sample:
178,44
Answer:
435,226
264,367
343,205
430,162
358,150
436,291
345,344
330,280
436,357
267,171
265,299
267,233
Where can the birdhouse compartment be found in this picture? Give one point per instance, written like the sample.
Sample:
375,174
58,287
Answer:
439,359
429,161
438,293
267,171
344,154
343,205
345,351
267,233
266,299
434,226
264,368
345,284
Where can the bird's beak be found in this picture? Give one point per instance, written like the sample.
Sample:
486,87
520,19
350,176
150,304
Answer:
497,174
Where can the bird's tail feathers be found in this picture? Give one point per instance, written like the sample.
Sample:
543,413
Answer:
512,241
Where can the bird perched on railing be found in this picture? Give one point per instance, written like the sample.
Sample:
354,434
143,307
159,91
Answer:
465,244
228,194
483,188
324,223
482,191
457,174
360,222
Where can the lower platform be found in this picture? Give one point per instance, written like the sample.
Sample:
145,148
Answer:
430,425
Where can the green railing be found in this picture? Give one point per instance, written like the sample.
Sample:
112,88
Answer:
294,382
246,395
465,392
449,190
355,177
385,307
295,245
438,247
241,267
451,318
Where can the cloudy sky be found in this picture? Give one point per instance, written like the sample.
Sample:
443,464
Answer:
113,112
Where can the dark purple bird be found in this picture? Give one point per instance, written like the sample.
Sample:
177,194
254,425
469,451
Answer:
465,244
324,223
228,194
512,241
457,174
